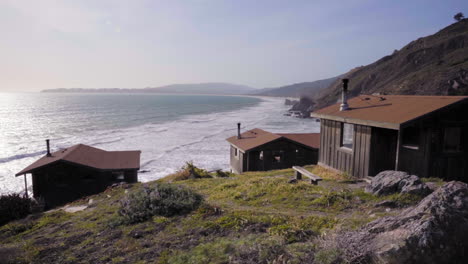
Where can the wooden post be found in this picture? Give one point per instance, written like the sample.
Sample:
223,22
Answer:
397,165
298,175
26,186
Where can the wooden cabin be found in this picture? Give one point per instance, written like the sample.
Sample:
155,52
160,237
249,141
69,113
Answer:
69,174
260,150
422,135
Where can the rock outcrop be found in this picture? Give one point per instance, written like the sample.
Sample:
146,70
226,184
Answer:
388,182
434,231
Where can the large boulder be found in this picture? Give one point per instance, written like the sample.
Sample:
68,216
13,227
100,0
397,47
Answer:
388,182
434,231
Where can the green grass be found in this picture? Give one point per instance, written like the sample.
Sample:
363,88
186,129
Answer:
256,217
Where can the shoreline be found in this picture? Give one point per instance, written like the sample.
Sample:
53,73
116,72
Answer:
166,146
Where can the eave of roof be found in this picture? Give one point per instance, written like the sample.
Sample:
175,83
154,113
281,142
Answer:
90,157
390,112
255,138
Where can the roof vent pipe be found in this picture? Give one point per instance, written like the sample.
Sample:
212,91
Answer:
344,96
48,148
238,130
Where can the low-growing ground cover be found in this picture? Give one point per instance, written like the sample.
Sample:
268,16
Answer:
256,217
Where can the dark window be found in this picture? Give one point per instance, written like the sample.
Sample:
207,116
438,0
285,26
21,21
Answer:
277,156
236,153
347,134
119,176
410,138
89,177
452,139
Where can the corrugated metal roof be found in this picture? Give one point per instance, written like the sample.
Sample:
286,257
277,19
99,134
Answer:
386,110
90,157
257,137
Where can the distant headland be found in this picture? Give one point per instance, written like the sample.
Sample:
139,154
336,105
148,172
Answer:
198,88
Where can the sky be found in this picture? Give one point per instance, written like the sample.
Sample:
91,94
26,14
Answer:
261,43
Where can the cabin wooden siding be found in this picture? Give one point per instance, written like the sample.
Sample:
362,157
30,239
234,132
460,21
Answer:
354,161
250,160
430,159
63,182
237,163
383,150
376,149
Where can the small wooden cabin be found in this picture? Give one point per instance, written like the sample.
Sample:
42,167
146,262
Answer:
260,150
78,171
422,135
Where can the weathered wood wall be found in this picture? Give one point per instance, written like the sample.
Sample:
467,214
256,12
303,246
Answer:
237,163
383,150
304,156
250,161
431,160
63,182
354,161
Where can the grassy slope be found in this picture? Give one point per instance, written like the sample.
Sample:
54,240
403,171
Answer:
249,218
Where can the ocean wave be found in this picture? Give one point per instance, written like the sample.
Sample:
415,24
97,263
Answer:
22,156
167,145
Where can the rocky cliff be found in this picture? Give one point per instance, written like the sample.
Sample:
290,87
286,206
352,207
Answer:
432,65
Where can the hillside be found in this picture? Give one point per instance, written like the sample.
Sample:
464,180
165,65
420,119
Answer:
256,217
198,88
432,65
298,89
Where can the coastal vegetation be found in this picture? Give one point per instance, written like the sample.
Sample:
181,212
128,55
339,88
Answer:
14,206
255,217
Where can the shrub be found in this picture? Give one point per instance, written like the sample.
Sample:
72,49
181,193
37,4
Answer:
189,171
162,199
14,206
223,174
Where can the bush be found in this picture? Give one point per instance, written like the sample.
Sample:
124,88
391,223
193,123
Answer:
14,206
223,174
189,171
162,199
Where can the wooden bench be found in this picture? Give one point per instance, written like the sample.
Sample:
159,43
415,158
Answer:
299,171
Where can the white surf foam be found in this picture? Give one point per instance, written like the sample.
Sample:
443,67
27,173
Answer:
167,146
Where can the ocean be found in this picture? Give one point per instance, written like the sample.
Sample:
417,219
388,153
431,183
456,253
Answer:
168,129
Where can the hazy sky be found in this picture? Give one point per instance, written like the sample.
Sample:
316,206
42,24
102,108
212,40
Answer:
139,43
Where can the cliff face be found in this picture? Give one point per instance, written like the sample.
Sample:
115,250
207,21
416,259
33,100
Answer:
433,65
297,89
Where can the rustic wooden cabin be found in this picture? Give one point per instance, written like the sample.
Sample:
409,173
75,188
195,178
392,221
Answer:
260,150
422,135
80,170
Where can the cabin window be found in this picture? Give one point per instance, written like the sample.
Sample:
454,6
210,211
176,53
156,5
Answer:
347,134
119,175
410,138
452,139
260,155
236,153
277,156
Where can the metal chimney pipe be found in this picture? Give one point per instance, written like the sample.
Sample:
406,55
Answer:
48,148
238,130
344,96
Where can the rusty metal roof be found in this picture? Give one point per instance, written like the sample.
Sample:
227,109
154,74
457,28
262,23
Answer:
257,137
389,111
90,157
